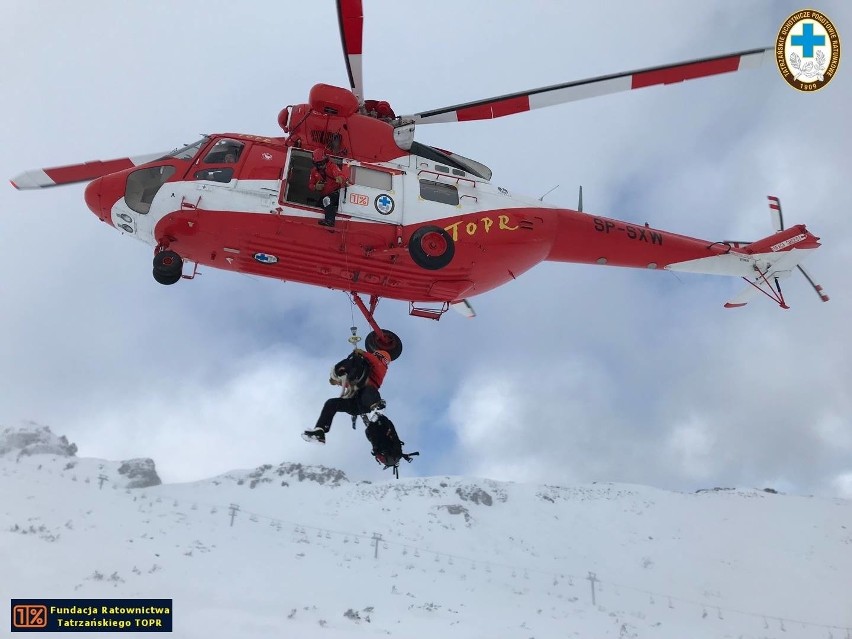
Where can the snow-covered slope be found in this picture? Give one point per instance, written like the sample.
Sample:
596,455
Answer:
302,551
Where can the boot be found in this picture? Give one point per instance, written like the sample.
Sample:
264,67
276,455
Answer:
315,434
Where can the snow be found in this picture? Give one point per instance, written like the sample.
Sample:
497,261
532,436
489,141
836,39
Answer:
457,556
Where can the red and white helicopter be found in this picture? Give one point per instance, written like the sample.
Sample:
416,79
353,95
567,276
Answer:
417,223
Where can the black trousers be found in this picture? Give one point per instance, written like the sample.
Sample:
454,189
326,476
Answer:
358,404
331,209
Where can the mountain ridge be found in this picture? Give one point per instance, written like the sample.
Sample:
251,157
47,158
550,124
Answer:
466,555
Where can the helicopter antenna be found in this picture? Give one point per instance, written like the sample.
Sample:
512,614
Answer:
541,199
580,203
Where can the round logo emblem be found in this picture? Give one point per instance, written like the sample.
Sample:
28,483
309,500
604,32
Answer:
808,50
384,204
265,258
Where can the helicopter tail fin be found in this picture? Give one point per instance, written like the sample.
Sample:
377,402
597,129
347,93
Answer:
762,264
774,259
787,243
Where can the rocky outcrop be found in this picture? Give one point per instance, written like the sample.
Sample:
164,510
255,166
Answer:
140,473
456,509
34,439
285,473
318,474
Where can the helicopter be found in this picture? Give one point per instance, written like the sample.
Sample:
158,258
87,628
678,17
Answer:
415,223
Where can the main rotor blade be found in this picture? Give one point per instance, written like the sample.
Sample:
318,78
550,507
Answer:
351,18
84,172
572,91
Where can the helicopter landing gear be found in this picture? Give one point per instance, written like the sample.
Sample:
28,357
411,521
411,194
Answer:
168,267
378,339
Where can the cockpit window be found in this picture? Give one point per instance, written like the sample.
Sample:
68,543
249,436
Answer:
142,186
225,151
189,151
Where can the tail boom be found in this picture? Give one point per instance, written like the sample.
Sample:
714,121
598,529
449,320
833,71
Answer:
588,239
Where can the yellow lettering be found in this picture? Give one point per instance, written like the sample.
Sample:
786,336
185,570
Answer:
471,228
504,224
454,230
488,222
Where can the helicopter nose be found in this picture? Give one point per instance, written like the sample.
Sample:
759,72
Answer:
93,200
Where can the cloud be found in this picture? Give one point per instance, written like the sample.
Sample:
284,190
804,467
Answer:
691,447
843,485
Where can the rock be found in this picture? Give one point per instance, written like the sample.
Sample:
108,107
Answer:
34,439
475,494
140,472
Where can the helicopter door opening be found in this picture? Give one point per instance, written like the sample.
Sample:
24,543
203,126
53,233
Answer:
375,194
297,174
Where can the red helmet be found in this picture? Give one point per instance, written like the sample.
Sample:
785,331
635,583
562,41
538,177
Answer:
383,355
319,155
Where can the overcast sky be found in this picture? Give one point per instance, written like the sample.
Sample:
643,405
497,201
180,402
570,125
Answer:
569,374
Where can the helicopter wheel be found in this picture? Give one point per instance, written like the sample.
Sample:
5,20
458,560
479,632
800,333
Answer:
431,247
166,279
392,344
168,267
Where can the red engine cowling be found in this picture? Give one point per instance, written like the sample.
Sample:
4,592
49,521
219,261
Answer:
325,98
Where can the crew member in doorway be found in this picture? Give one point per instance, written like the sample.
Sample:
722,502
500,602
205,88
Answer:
327,178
